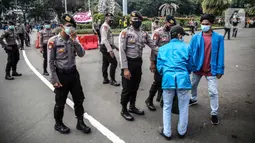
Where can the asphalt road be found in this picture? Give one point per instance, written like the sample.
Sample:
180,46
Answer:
26,104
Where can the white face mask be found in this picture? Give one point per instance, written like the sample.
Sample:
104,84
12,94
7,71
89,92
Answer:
69,30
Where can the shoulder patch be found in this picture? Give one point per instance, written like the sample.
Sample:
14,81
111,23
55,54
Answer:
105,27
123,34
51,44
155,36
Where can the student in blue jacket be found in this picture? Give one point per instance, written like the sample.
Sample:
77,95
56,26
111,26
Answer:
208,59
174,64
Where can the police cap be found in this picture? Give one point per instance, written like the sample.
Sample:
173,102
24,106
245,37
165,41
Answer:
11,23
170,19
177,29
47,22
136,14
108,14
68,18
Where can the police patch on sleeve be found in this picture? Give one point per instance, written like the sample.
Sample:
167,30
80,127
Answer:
51,44
155,36
123,34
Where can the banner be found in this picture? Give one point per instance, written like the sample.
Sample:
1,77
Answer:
83,17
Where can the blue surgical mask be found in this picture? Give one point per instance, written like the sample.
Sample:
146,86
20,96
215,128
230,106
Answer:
205,28
68,30
47,26
11,27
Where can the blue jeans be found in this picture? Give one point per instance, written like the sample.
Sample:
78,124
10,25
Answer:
183,101
212,89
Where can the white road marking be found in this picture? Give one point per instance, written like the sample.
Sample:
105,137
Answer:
110,135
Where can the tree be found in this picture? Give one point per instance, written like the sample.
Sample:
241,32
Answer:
215,7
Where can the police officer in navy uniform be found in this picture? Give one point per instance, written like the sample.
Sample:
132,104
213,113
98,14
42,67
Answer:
132,41
11,47
64,76
45,35
106,48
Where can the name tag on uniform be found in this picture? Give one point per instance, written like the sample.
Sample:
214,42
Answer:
61,50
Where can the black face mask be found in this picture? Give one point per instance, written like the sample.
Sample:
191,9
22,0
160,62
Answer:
136,24
168,28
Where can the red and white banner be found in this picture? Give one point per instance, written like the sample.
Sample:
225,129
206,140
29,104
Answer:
83,17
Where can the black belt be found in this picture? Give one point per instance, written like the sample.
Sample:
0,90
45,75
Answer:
66,71
134,59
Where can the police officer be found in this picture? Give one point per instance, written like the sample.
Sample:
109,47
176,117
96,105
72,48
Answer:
22,33
106,48
64,76
45,35
161,37
12,50
132,41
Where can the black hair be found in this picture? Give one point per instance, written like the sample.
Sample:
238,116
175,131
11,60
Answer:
209,17
174,35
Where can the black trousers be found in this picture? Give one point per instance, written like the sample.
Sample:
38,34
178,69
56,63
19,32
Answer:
99,35
130,87
107,60
27,39
227,31
156,86
22,38
71,83
12,59
234,32
45,63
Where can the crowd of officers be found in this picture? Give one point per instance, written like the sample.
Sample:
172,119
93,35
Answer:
60,50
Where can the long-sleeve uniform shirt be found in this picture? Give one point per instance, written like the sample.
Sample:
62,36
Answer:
107,37
45,35
160,37
131,44
62,55
11,38
20,29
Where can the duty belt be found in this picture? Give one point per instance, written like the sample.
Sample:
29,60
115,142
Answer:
66,71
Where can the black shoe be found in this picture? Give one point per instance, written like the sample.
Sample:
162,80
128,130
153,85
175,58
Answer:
114,83
161,132
16,74
181,136
126,115
136,111
215,120
8,77
62,128
150,105
82,126
158,98
21,48
46,73
192,102
106,81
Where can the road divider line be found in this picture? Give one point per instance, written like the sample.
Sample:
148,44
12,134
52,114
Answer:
100,127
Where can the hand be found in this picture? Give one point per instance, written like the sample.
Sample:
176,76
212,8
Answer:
57,85
219,76
153,67
112,54
73,36
41,50
127,74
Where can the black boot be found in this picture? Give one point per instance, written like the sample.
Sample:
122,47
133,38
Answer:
106,81
60,127
150,104
133,109
159,95
14,73
8,77
45,73
125,114
82,126
114,83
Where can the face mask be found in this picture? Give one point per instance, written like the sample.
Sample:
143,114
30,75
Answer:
168,28
136,24
68,30
182,39
205,28
11,27
47,26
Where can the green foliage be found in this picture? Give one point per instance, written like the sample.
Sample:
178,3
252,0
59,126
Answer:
146,26
84,26
85,31
98,16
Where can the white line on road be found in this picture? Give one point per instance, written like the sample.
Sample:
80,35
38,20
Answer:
110,135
